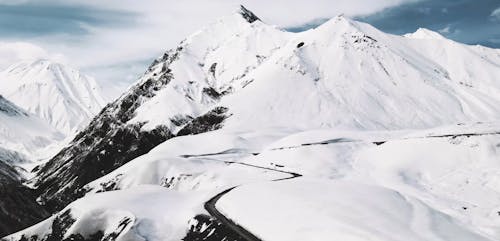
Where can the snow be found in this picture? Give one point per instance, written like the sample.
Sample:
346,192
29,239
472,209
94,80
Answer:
347,75
423,33
155,214
440,176
61,96
193,163
304,209
25,134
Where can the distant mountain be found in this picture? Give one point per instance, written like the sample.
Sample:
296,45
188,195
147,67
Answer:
24,133
318,103
61,96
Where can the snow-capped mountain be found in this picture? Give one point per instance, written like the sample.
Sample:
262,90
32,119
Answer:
61,96
245,105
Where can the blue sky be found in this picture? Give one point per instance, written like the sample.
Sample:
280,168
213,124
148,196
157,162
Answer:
115,40
466,21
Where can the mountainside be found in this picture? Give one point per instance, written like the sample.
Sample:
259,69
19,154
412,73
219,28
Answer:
24,133
242,102
18,208
23,139
61,96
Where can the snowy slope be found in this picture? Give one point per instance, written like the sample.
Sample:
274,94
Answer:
343,210
61,96
361,78
24,134
438,184
343,102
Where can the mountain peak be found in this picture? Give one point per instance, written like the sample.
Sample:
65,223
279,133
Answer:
247,14
341,24
60,95
424,33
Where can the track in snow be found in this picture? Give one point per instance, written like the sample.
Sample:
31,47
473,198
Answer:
242,232
239,232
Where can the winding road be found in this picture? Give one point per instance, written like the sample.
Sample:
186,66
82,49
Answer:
210,205
242,232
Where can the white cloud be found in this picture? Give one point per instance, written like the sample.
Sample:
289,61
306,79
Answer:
13,52
495,14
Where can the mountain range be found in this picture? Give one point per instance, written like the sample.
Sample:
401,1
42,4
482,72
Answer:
339,131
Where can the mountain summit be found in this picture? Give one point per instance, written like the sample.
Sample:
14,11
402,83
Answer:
248,15
62,96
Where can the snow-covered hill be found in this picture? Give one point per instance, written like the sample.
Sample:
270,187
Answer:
356,111
61,96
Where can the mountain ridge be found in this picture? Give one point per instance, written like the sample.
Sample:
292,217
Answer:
62,96
234,62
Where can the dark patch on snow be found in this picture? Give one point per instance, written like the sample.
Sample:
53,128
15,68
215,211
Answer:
248,15
110,185
180,120
205,228
212,69
207,122
10,109
63,222
277,165
171,182
212,93
378,143
300,44
247,82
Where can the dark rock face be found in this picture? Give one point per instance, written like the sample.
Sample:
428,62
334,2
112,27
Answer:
206,228
10,109
106,144
61,224
248,15
110,141
207,122
18,208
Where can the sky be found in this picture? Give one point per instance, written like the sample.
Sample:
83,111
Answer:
115,40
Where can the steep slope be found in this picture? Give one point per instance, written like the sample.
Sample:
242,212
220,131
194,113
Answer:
177,88
61,96
241,74
18,208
